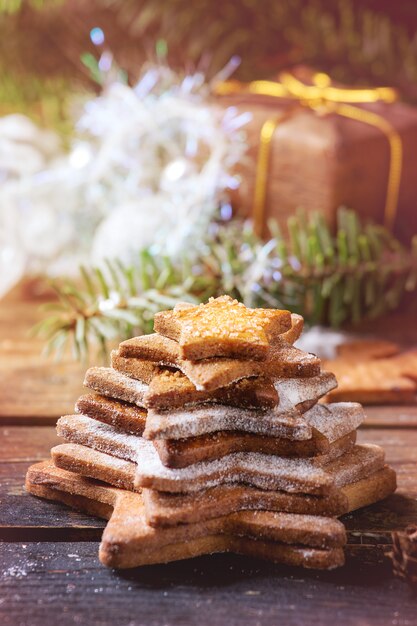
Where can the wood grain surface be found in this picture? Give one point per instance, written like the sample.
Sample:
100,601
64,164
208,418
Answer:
49,569
56,583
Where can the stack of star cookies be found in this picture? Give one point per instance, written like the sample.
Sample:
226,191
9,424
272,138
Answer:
208,436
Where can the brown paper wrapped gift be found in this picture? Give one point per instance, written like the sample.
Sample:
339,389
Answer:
319,158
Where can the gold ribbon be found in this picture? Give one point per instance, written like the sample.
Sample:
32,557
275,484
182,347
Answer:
321,96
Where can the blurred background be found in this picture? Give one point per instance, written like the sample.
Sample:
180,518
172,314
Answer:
159,151
176,150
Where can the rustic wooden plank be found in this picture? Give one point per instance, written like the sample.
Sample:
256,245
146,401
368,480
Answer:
23,516
23,444
399,444
49,583
33,388
20,308
40,393
390,417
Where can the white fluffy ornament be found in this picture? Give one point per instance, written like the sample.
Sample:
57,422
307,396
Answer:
24,147
149,165
131,227
25,150
12,257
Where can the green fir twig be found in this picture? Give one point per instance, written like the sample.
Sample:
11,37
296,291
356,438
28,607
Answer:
360,271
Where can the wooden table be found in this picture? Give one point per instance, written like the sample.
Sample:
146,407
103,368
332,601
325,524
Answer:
50,573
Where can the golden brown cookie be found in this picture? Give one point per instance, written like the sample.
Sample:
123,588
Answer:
169,388
289,424
167,509
328,424
90,462
222,327
128,541
184,452
123,415
108,382
290,336
316,475
283,360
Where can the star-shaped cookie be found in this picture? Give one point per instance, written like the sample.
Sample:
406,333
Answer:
316,476
138,355
167,389
128,541
222,327
168,509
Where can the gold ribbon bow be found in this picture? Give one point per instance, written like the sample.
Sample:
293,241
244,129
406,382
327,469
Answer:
321,95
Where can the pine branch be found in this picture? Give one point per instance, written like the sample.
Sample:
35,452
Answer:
109,303
360,271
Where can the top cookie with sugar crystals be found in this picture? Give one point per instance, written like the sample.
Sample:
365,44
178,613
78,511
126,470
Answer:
222,327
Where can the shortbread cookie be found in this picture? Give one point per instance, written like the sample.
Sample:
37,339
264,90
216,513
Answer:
294,333
146,369
83,430
166,509
184,452
180,453
170,388
93,463
123,415
108,382
139,369
201,420
173,389
290,336
317,475
283,360
335,420
328,425
130,418
223,327
303,394
128,541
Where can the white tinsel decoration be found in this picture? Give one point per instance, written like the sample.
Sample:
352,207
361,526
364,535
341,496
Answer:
149,164
25,150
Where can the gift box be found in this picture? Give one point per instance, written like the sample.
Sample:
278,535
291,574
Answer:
318,146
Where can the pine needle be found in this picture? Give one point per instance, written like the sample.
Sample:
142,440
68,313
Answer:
356,273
